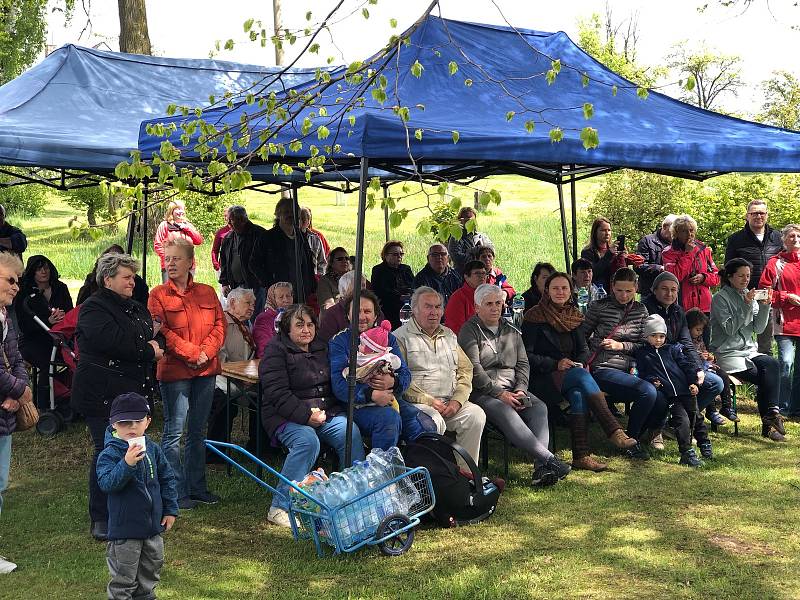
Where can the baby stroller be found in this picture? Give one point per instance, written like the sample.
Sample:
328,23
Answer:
63,360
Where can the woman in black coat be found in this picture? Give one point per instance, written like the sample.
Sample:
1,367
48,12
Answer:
140,290
392,281
298,408
41,295
117,351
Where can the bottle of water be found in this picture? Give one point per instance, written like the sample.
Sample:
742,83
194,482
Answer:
278,319
349,522
518,308
507,315
599,293
583,299
405,311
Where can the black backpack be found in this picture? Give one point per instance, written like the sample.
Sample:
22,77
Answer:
459,500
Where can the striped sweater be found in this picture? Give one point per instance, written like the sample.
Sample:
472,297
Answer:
604,316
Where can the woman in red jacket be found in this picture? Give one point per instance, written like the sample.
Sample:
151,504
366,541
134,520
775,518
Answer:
193,325
782,274
461,305
691,262
174,225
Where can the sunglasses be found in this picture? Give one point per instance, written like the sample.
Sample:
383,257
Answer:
12,281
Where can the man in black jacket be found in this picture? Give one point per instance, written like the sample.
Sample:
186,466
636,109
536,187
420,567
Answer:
243,256
757,242
650,248
437,274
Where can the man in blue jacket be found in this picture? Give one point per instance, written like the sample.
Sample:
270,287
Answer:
142,499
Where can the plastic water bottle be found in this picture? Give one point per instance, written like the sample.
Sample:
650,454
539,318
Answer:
518,308
405,312
507,315
583,299
278,319
349,522
599,293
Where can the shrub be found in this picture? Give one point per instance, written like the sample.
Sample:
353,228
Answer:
26,200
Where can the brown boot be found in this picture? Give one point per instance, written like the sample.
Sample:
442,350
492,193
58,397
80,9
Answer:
581,459
609,423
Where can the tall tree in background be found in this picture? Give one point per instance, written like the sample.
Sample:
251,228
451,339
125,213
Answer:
22,35
133,35
715,75
781,101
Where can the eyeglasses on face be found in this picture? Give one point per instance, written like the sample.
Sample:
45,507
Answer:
438,254
12,281
342,258
757,214
395,254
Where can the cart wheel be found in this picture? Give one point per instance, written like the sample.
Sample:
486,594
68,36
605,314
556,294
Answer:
66,412
50,423
400,542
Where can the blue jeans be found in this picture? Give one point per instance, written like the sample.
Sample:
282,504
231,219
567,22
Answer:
302,441
578,384
711,388
647,410
414,422
187,402
382,424
5,465
789,397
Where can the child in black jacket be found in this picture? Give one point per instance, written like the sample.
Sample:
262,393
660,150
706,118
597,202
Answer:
675,376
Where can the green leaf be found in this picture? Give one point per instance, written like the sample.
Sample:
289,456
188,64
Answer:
556,66
441,189
585,80
308,16
395,219
452,67
404,113
365,12
229,45
248,25
393,23
614,90
314,48
323,132
530,126
352,120
418,134
588,110
379,95
171,109
250,98
590,138
510,115
471,225
468,82
456,136
550,76
417,69
323,112
691,82
642,93
556,134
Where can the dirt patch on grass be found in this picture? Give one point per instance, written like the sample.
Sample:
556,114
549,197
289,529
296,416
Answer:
740,547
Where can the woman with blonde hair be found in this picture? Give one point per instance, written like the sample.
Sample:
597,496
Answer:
174,225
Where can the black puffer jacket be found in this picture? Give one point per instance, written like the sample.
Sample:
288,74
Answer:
113,335
544,352
745,244
293,382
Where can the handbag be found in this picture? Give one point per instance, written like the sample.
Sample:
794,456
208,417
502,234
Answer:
27,414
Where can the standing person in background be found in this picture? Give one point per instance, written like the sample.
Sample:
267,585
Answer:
757,242
650,248
465,248
691,262
392,281
437,274
194,328
318,254
782,275
462,304
11,238
216,246
541,271
325,246
282,243
606,257
243,255
328,284
174,225
493,274
13,376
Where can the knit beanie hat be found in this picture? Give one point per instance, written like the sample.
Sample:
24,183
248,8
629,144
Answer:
377,338
663,276
654,324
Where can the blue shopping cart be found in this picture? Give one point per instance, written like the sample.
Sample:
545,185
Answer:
385,516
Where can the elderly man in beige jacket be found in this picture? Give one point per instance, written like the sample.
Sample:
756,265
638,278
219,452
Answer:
441,374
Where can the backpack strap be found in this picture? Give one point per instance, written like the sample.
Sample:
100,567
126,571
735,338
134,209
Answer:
458,449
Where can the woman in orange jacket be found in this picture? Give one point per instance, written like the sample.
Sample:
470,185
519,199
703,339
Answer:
193,325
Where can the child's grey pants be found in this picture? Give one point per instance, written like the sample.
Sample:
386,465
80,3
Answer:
135,567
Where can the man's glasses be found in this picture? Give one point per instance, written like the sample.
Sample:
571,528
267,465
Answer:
12,281
757,214
438,254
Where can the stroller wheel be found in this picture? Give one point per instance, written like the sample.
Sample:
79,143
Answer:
66,413
50,423
399,543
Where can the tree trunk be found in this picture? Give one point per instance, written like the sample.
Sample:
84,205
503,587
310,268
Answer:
278,24
133,35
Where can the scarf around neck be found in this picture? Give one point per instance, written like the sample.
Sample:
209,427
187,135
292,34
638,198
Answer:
561,318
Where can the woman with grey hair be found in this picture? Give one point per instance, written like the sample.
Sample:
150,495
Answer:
119,346
691,262
500,371
782,275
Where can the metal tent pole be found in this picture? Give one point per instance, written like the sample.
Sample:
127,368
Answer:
145,197
354,311
563,214
573,198
300,291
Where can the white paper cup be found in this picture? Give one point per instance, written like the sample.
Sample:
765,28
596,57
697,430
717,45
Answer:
137,440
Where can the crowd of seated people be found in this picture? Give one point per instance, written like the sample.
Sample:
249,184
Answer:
459,362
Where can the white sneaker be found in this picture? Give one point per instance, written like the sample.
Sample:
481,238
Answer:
657,443
279,517
6,566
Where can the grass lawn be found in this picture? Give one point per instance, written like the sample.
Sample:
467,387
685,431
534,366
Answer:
641,530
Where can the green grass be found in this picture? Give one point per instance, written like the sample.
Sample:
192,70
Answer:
641,530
